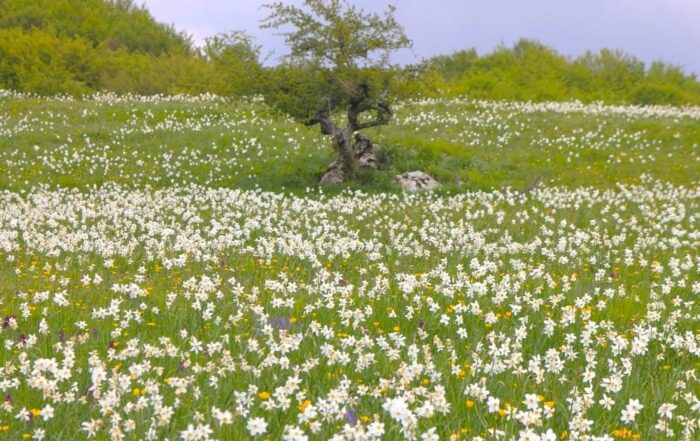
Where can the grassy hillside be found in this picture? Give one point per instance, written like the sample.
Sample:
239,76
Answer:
150,290
465,144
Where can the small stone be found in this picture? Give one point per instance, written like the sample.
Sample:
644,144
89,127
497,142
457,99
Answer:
333,176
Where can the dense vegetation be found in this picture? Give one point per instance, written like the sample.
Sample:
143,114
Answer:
532,71
75,47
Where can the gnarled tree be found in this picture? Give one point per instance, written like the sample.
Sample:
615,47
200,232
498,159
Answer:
338,64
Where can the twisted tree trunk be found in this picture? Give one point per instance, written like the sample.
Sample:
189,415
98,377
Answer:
359,103
342,143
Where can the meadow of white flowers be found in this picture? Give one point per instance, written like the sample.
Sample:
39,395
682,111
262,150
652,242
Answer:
198,312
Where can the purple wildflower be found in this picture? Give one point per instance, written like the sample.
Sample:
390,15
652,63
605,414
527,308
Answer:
350,417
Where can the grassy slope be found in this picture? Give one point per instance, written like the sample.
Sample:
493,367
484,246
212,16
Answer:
80,144
464,145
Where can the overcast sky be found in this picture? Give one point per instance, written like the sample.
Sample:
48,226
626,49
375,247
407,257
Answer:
648,29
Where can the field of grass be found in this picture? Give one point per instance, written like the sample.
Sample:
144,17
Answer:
169,270
465,144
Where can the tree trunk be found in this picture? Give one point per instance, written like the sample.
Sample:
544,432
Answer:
342,143
347,162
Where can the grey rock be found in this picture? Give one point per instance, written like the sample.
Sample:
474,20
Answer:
416,181
332,176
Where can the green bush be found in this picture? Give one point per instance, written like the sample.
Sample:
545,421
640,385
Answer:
657,94
531,71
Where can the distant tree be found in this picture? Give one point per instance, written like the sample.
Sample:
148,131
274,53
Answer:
237,57
338,63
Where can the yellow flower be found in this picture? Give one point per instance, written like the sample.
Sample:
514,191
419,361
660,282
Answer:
304,405
26,435
264,395
469,403
5,428
549,404
293,320
397,328
364,419
36,412
136,392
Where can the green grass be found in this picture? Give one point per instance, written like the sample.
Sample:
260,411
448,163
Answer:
465,145
146,184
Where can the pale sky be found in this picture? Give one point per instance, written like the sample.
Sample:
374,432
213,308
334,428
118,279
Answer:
668,30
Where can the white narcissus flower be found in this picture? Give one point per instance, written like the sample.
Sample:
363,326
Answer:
494,404
430,435
629,413
549,435
528,435
47,412
531,401
256,426
666,410
375,429
606,402
294,433
223,417
397,408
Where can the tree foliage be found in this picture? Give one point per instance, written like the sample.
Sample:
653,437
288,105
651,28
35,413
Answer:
236,57
81,46
532,71
115,24
75,47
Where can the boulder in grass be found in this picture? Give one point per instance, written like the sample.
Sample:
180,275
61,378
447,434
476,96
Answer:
333,176
416,181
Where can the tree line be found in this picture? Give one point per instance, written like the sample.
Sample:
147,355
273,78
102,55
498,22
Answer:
82,46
